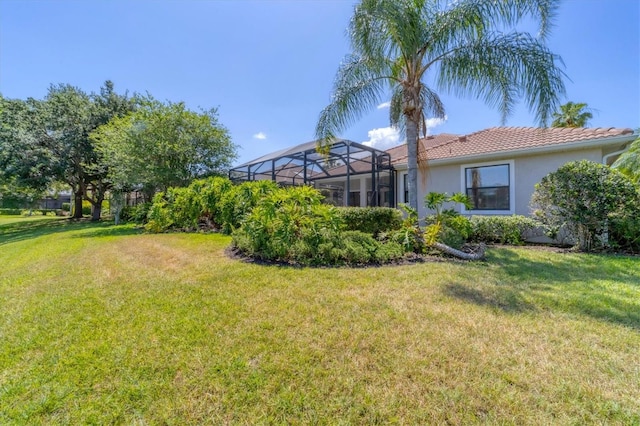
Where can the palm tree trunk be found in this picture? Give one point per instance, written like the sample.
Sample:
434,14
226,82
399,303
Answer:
412,162
460,254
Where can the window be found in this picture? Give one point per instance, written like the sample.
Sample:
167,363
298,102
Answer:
406,187
354,199
489,187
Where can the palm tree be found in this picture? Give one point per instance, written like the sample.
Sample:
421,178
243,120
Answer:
572,115
629,162
458,47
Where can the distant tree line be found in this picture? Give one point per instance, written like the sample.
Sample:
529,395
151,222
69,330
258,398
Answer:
106,142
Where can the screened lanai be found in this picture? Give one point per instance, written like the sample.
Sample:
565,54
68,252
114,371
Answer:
351,174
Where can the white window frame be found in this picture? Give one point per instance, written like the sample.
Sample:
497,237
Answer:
512,187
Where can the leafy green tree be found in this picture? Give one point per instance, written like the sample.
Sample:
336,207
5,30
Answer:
415,47
24,165
629,162
572,115
161,145
65,123
106,105
44,141
16,196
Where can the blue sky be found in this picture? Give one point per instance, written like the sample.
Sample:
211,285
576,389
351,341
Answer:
269,65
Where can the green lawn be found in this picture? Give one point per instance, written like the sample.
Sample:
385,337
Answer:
103,325
7,219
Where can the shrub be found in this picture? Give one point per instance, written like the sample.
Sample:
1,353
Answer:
293,225
214,203
43,212
10,212
86,208
160,218
66,207
184,207
503,229
289,224
371,220
137,214
624,233
409,236
239,200
584,196
447,225
211,193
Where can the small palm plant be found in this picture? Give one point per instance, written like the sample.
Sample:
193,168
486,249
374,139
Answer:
445,218
629,162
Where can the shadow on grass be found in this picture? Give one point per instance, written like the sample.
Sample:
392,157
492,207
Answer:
603,287
109,230
536,265
507,300
21,231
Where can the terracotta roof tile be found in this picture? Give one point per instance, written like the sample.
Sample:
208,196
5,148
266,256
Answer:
499,139
399,153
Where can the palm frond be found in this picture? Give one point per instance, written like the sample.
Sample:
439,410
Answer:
629,162
572,115
368,29
358,87
502,68
396,116
433,106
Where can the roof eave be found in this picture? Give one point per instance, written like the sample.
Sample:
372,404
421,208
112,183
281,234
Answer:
569,146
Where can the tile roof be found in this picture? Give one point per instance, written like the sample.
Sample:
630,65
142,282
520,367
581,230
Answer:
399,153
500,139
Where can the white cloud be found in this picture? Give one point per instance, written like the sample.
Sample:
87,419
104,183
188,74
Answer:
388,137
435,122
383,138
260,135
384,105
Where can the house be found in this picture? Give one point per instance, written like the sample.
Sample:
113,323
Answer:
499,167
496,167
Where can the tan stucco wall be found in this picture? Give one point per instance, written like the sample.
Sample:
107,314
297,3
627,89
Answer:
528,170
531,170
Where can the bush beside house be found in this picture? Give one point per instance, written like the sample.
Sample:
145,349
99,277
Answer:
598,205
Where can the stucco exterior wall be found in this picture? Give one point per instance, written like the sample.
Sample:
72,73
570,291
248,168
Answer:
528,170
531,170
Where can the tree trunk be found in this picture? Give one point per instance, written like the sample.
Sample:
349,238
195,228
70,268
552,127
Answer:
412,161
96,211
98,193
460,254
77,205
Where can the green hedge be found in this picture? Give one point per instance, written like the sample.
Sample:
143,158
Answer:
213,203
10,212
292,225
371,220
504,229
23,212
43,212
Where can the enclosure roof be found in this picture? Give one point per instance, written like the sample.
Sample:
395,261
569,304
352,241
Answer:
310,149
303,163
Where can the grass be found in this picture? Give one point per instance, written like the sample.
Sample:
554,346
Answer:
8,219
101,325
